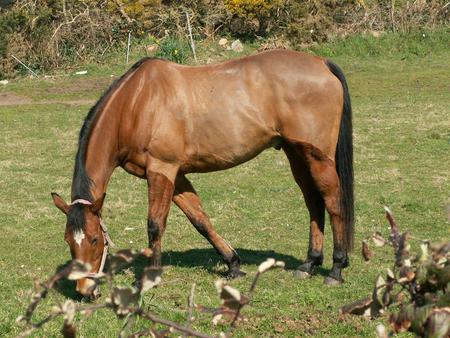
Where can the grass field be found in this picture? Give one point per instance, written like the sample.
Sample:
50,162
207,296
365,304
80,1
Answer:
401,141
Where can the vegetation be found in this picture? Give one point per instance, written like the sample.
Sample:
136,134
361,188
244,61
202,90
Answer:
54,34
399,88
417,286
128,302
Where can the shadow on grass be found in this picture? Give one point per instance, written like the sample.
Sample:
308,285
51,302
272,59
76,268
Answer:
209,259
206,258
67,287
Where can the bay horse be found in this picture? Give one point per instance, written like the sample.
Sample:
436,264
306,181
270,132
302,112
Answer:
161,121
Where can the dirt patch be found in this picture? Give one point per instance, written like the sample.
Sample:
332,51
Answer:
82,85
10,99
59,90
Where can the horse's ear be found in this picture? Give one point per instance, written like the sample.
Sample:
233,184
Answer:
60,203
98,204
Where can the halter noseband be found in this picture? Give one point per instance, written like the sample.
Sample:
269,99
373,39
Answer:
106,239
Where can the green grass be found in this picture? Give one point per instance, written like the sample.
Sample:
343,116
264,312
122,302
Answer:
401,124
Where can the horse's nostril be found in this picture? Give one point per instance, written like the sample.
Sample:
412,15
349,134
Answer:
96,293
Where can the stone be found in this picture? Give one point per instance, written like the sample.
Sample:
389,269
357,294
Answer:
223,43
237,46
152,48
375,34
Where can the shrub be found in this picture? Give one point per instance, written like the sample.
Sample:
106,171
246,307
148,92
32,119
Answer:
416,289
173,49
51,34
252,16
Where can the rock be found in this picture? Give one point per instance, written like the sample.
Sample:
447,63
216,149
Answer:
375,34
237,46
4,82
223,43
152,48
81,72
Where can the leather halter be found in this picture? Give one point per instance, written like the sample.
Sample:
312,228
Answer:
106,239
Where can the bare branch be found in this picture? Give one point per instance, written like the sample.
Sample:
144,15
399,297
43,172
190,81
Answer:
68,22
122,11
190,307
175,326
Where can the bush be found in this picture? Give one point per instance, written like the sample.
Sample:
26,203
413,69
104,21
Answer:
51,34
250,17
46,36
173,49
416,289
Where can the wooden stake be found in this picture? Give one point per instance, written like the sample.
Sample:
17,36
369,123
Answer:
190,37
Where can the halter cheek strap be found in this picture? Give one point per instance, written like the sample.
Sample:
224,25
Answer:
106,239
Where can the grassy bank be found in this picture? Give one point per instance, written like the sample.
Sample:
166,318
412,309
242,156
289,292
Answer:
401,124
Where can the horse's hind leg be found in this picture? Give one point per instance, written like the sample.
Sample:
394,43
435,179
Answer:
323,172
316,207
188,201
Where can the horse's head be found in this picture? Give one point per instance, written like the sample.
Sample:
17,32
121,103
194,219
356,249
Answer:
87,238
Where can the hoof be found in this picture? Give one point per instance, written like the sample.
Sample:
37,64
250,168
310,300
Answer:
299,274
91,298
235,273
333,281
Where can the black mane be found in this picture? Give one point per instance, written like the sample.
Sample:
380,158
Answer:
81,182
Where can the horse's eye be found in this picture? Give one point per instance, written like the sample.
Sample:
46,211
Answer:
94,241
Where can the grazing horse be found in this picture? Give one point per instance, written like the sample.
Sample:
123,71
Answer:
161,121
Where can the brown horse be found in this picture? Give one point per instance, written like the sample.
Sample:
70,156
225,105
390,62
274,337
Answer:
161,121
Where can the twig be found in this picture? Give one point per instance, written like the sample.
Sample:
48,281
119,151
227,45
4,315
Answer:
190,37
393,15
68,22
28,68
190,307
241,305
41,323
395,235
122,11
37,297
128,45
140,312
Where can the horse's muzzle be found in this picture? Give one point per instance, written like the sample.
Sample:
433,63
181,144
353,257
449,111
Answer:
88,288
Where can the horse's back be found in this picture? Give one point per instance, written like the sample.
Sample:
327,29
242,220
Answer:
217,116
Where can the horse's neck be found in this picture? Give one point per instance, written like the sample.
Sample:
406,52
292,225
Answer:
101,154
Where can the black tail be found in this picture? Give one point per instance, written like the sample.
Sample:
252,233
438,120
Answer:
344,160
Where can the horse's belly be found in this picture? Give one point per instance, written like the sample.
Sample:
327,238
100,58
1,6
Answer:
224,154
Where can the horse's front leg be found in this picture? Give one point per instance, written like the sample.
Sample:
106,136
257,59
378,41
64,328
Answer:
160,192
187,199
